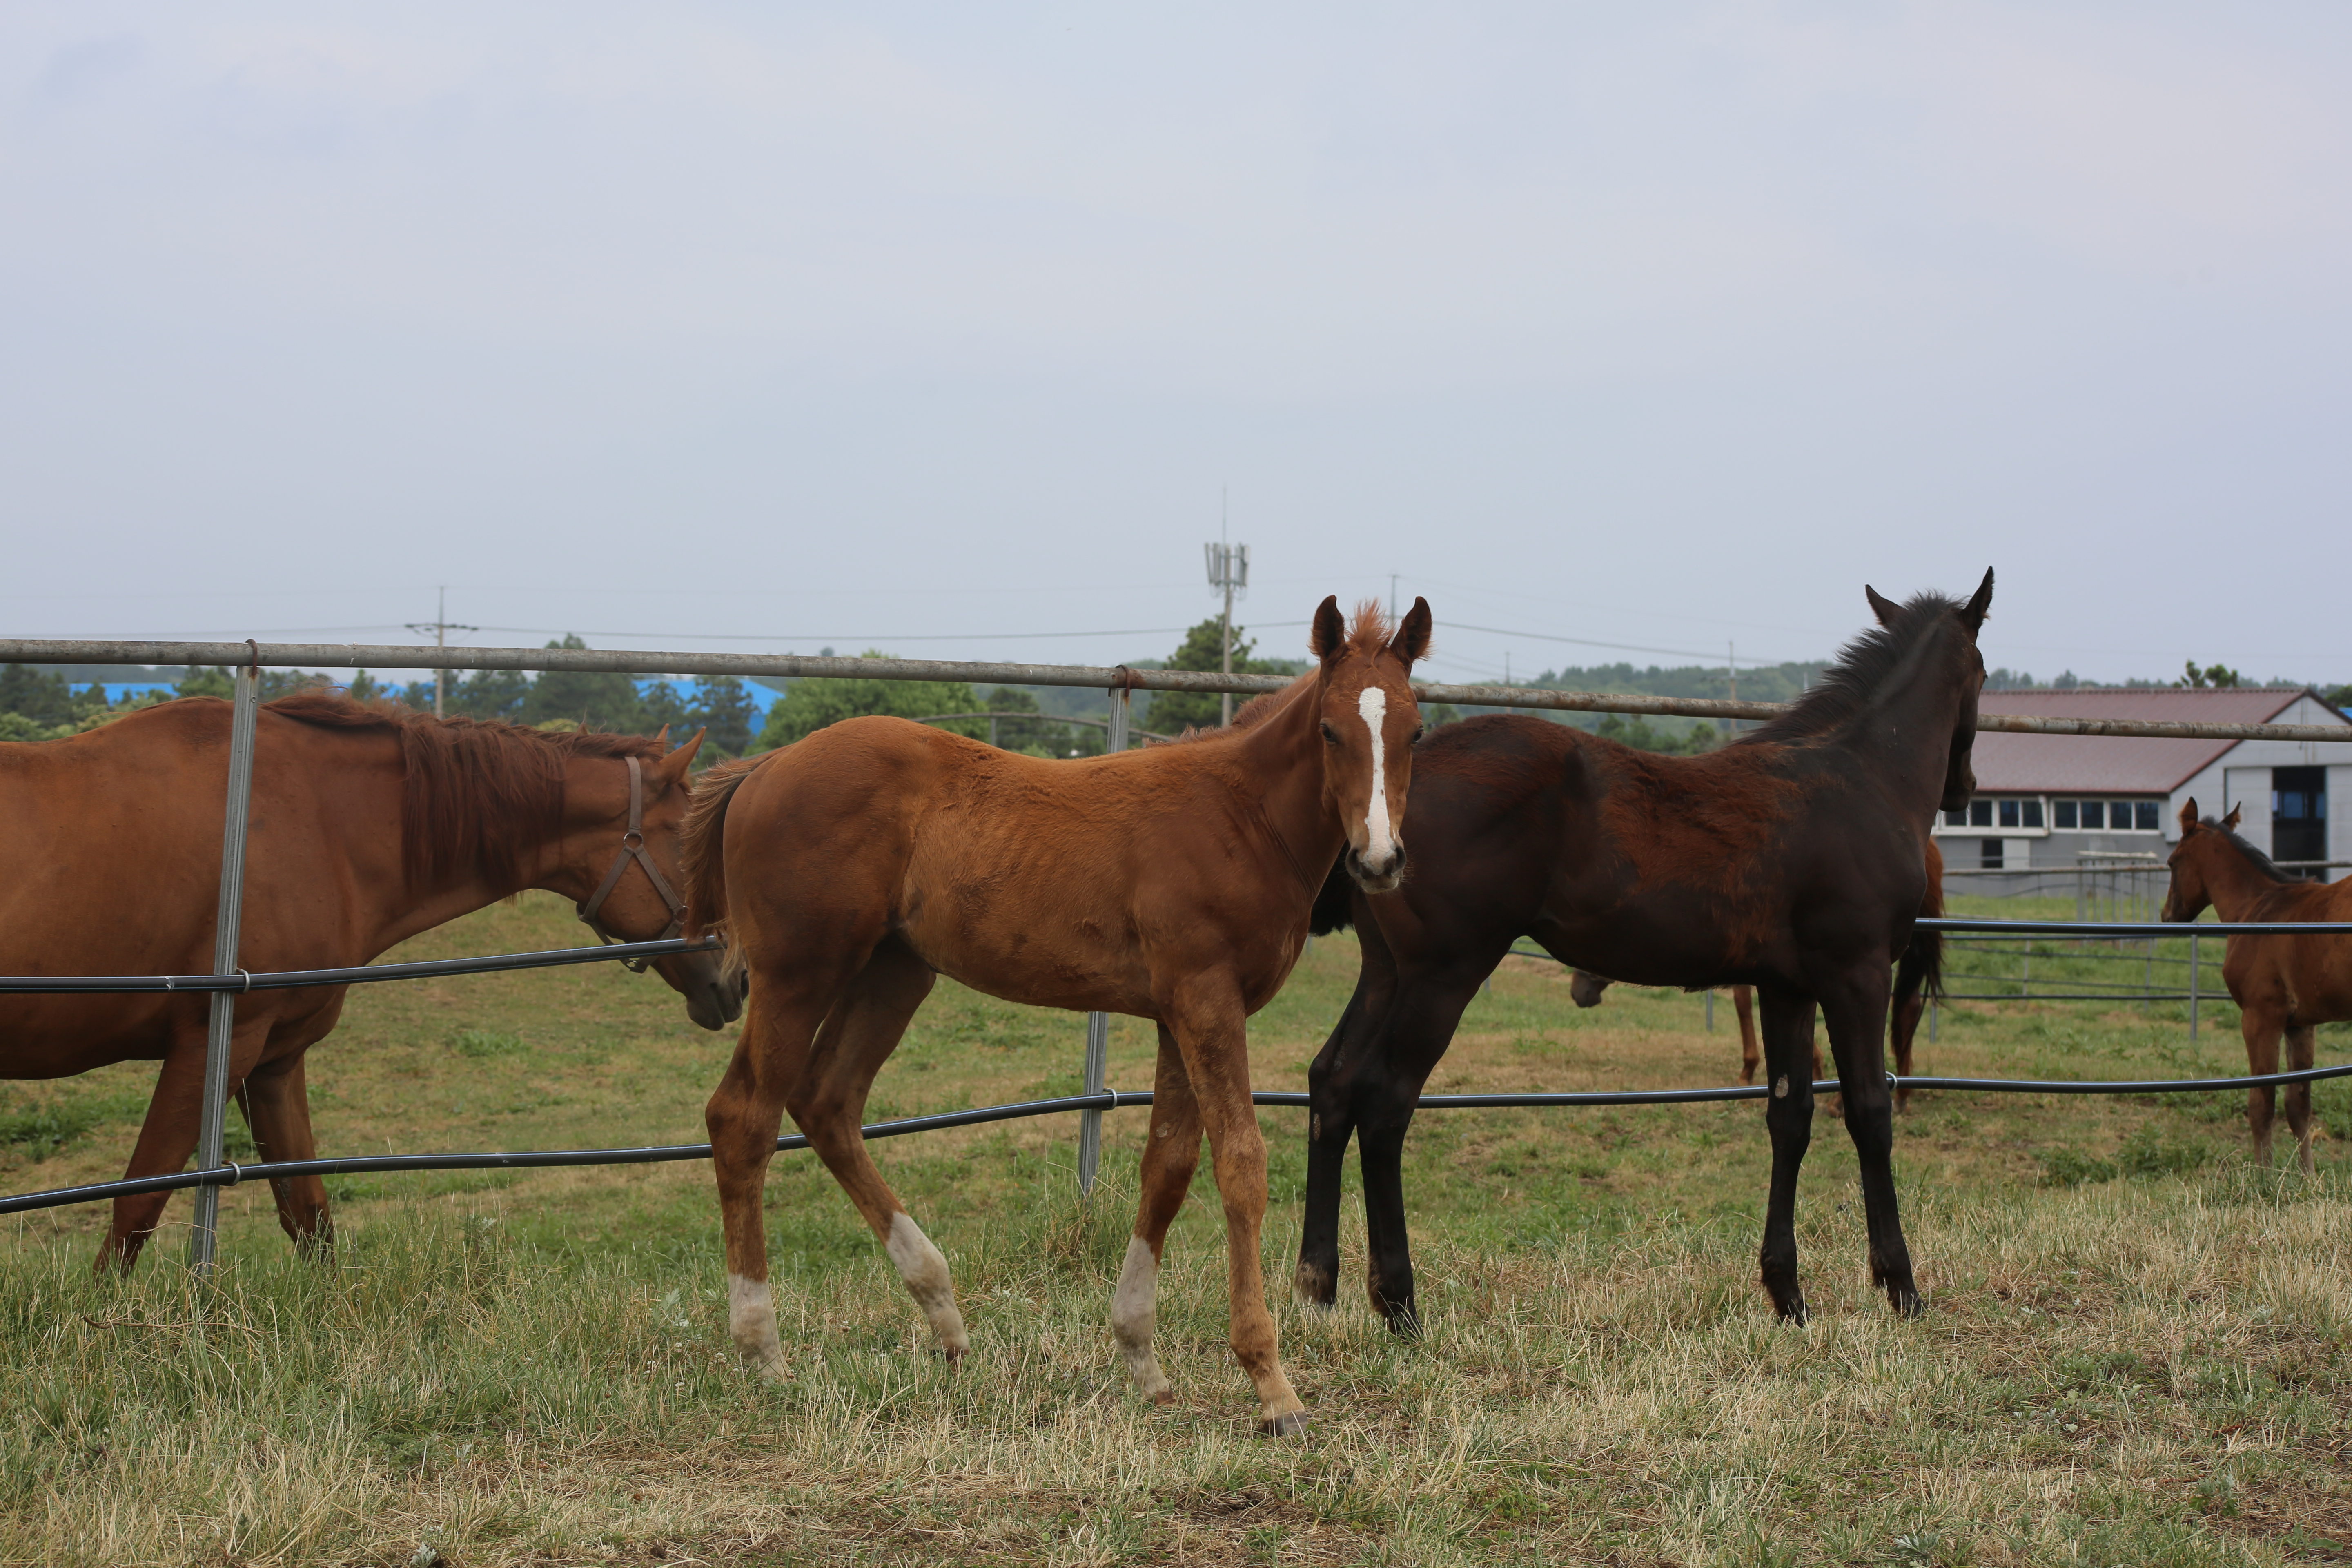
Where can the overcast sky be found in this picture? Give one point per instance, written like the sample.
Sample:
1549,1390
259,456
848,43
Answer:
944,328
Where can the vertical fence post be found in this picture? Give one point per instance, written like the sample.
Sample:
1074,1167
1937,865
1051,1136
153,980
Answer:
2192,988
243,709
1710,1009
1098,1024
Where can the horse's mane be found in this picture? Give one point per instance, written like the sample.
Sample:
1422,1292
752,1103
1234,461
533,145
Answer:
474,791
1368,634
2255,857
1845,688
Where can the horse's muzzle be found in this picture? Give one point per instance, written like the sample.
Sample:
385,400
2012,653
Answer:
714,999
1386,879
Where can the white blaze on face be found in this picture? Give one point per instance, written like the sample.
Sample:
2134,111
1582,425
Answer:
1379,843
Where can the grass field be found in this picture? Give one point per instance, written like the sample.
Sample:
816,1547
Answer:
2135,1352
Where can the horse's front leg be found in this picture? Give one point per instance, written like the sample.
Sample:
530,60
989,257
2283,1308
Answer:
1788,1030
1209,1022
1330,1122
1856,1014
1422,1020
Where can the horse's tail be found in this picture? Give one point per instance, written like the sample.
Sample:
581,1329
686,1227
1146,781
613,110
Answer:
702,855
1920,973
1922,961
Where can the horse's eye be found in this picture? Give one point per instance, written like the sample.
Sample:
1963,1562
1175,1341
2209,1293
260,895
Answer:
1418,732
1329,734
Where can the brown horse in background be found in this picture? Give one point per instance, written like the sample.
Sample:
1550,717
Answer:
1173,884
2284,986
1917,976
369,825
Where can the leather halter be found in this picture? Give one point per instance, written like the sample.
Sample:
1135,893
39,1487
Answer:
633,845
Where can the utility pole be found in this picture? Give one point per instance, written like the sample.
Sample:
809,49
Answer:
440,626
1228,570
1392,583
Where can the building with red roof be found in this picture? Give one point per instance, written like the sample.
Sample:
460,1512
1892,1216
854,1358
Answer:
2044,802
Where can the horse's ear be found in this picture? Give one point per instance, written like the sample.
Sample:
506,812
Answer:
1410,643
1329,636
1972,614
673,768
1884,608
2189,823
661,736
2230,821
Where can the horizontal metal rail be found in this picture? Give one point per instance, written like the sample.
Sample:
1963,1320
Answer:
364,975
2138,928
400,655
1108,1099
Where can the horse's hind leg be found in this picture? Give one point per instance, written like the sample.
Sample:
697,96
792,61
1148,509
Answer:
2302,1048
277,1106
1743,1003
2261,1030
1170,1153
828,1102
745,1110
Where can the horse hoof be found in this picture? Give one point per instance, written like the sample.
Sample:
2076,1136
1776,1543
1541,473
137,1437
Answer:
1164,1396
1793,1311
1906,1303
1289,1424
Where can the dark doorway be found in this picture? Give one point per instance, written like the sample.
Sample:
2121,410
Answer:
1989,857
2299,816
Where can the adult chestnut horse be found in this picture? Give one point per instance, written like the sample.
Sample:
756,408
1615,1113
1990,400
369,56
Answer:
369,826
2284,986
1172,884
1792,860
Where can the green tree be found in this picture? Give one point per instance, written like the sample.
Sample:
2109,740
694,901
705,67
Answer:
488,693
207,681
2212,675
1172,712
595,699
812,704
1633,730
660,702
723,706
40,697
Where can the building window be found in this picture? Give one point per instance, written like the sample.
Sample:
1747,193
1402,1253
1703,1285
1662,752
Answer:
2106,816
1989,857
2009,813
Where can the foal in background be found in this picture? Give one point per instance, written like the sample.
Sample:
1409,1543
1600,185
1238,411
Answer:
2285,985
1172,884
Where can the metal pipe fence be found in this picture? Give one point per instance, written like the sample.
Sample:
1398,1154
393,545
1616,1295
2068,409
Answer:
250,657
1120,677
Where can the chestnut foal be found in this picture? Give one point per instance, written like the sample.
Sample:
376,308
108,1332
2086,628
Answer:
2284,986
1172,884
